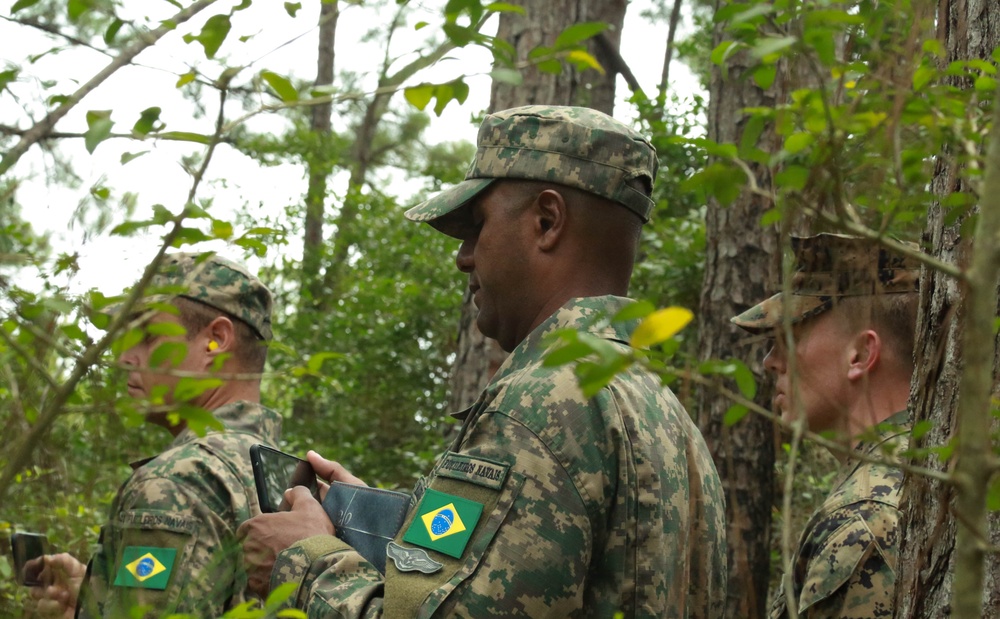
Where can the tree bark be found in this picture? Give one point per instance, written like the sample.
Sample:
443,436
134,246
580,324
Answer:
741,266
928,561
319,164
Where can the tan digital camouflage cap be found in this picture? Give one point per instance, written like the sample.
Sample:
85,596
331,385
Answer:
215,281
574,146
828,266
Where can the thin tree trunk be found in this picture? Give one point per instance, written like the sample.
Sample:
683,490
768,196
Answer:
319,163
478,357
675,18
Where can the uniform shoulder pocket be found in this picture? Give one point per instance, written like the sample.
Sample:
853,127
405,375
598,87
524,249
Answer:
443,540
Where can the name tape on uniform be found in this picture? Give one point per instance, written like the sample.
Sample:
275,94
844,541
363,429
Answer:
474,470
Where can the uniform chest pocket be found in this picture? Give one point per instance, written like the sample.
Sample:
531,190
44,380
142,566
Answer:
421,592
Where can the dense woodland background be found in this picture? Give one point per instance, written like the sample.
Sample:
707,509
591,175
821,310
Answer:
873,118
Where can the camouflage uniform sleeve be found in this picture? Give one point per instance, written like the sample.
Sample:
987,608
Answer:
514,564
846,567
186,526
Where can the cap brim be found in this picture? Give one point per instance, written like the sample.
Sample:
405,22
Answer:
446,202
767,315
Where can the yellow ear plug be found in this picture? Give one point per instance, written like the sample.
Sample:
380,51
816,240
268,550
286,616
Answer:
212,345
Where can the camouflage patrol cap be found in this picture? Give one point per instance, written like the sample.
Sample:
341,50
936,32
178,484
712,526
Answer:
215,281
574,146
827,267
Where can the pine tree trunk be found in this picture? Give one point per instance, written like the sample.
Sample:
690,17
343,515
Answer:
741,267
478,357
928,556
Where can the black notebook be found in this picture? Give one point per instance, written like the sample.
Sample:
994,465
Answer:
366,518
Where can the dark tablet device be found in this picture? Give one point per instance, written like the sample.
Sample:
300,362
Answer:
274,472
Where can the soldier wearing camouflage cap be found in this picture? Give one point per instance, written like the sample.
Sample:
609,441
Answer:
549,503
170,542
852,311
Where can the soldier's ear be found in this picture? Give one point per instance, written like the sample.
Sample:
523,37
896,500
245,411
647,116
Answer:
864,354
550,221
222,332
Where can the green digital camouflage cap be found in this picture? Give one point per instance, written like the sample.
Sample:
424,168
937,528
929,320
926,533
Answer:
574,146
215,281
827,267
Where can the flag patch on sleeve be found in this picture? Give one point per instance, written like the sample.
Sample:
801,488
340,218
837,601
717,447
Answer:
444,523
145,567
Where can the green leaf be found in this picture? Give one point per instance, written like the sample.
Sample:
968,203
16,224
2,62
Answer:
198,419
551,65
112,31
185,136
126,157
99,126
166,329
771,46
221,229
190,236
920,429
168,354
147,121
22,4
75,9
419,96
723,51
10,75
798,142
73,332
659,326
567,354
504,7
593,377
292,8
734,414
584,60
793,177
507,76
751,14
745,381
764,75
634,311
127,341
579,32
161,215
922,76
986,84
189,388
212,34
187,78
281,85
993,496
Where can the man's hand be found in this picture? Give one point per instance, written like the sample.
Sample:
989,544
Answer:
331,471
62,576
266,535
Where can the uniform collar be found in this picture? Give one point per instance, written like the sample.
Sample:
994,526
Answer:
240,416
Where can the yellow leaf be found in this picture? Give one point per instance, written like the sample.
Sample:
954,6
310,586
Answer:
660,326
580,57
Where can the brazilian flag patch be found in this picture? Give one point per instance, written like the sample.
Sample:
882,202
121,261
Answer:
443,523
145,567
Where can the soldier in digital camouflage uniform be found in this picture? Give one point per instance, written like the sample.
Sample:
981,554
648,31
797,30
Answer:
549,503
852,311
170,543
